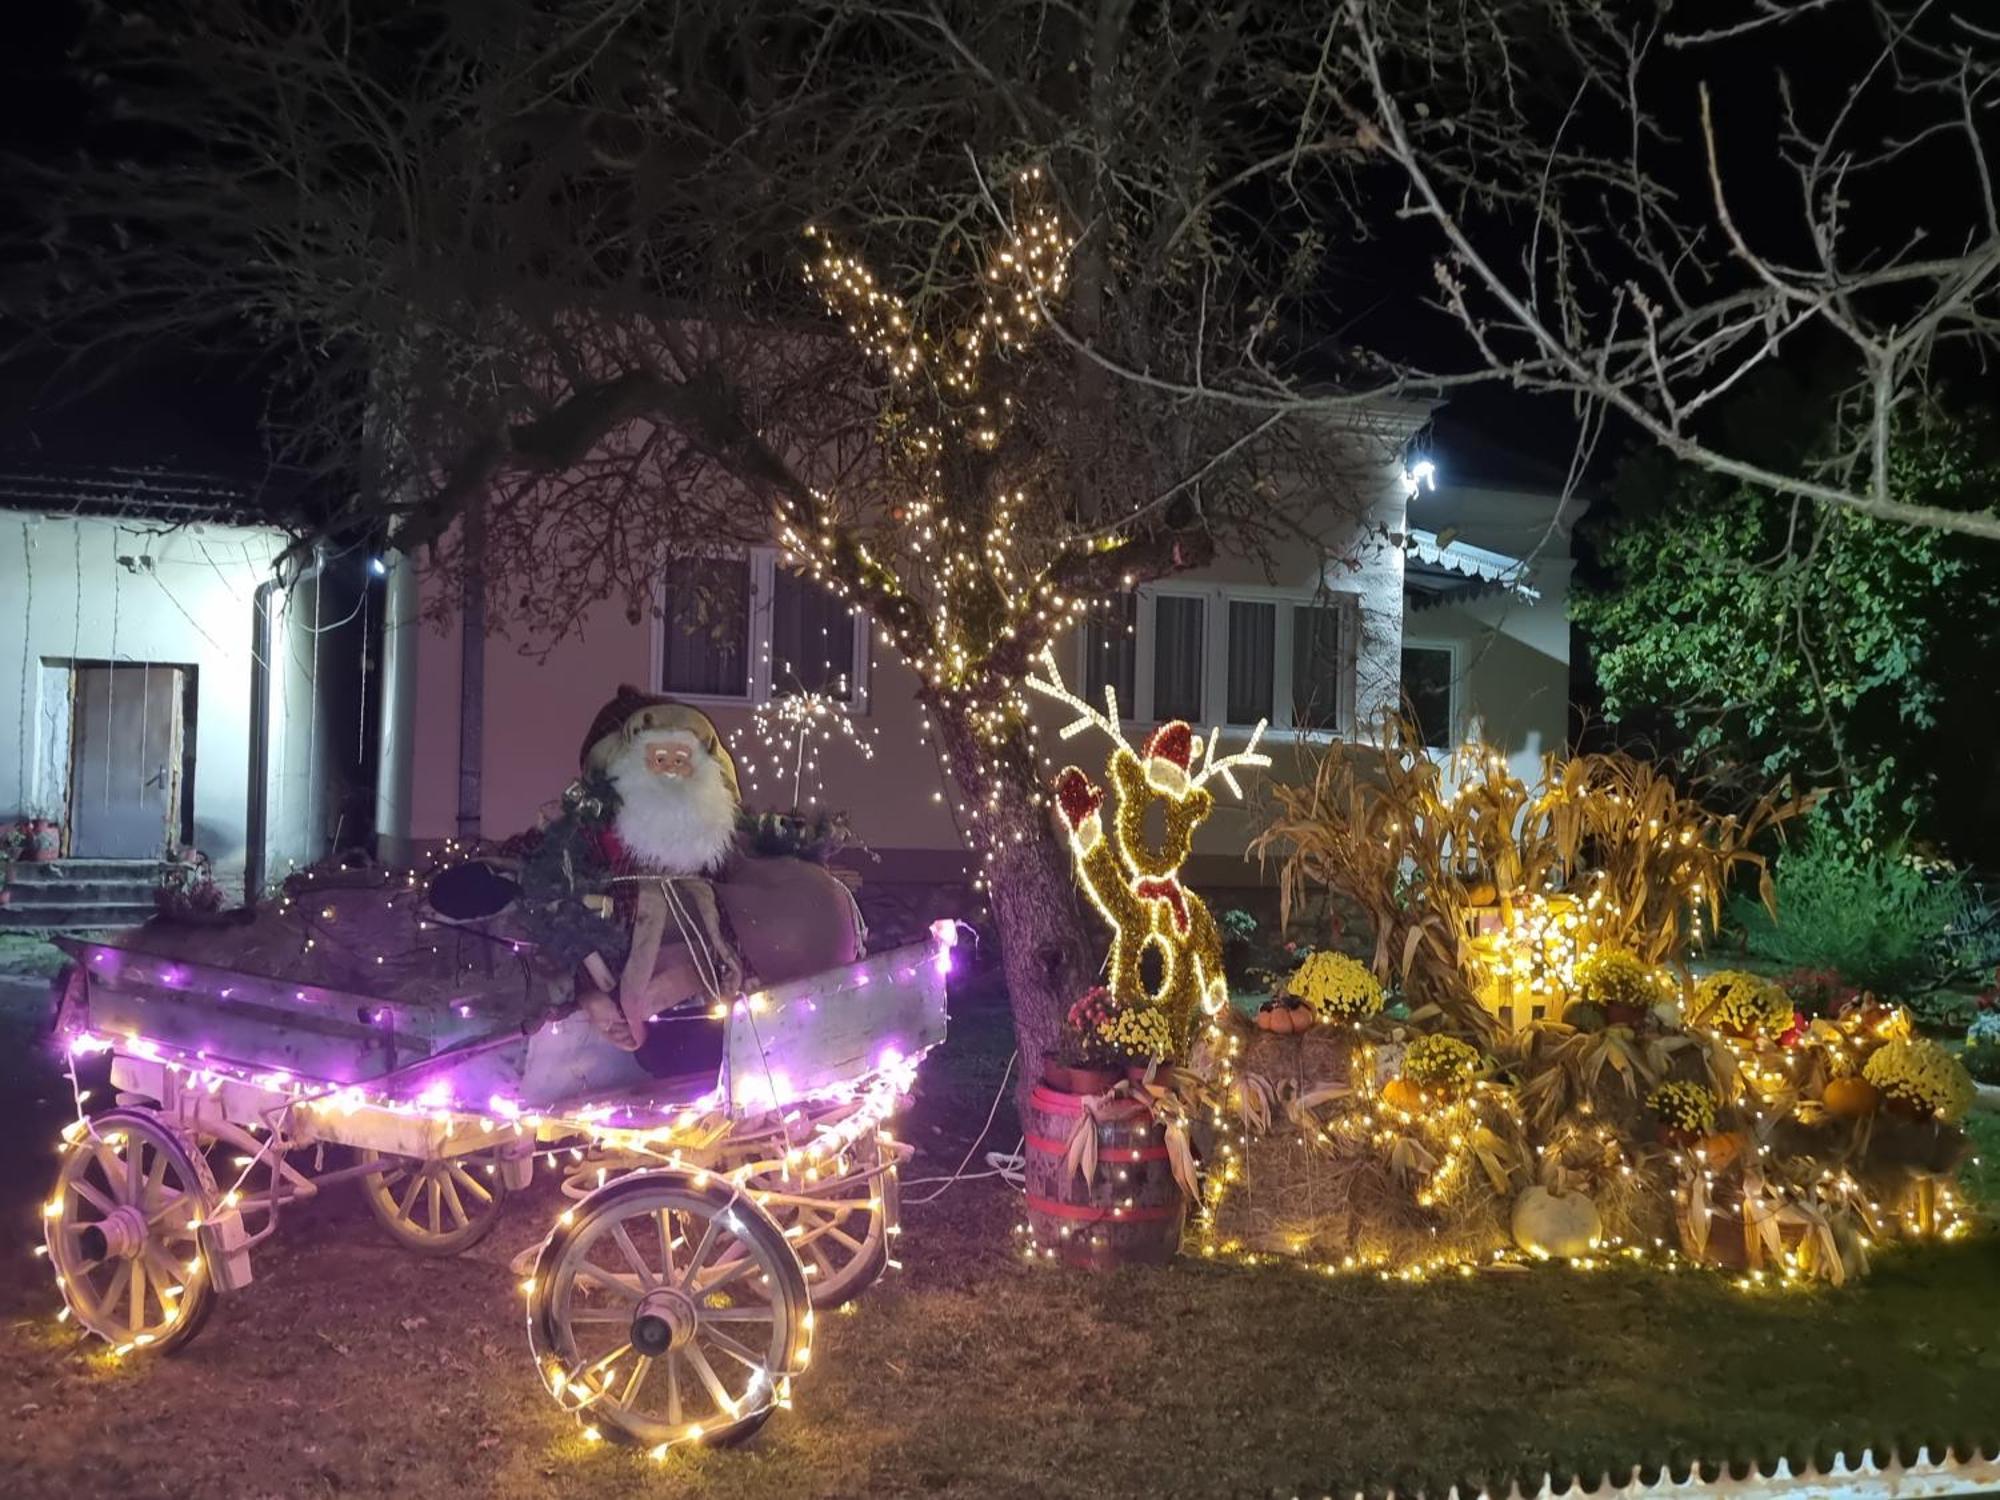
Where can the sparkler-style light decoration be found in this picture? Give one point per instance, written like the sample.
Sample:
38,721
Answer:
790,733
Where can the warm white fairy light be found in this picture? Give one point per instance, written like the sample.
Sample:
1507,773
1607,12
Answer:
967,577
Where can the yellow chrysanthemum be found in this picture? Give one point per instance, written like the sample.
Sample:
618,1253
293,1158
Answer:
1923,1073
1434,1060
1139,1032
1737,1001
1684,1106
1617,976
1337,986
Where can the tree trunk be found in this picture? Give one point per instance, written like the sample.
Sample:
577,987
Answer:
1047,949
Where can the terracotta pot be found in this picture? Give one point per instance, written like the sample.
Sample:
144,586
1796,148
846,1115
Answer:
1066,1078
1618,1013
1137,1073
41,840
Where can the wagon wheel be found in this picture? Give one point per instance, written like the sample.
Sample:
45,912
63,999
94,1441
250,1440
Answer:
642,1317
120,1228
841,1224
435,1205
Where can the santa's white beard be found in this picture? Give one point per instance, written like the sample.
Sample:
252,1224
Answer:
677,825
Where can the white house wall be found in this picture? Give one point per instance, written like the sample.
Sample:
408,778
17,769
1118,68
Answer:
540,698
1513,654
185,599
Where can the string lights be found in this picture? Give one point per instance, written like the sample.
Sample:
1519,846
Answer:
755,1145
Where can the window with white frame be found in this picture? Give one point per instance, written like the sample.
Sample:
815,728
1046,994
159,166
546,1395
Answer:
1430,687
744,629
1226,655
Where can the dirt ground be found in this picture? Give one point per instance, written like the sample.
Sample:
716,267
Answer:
352,1368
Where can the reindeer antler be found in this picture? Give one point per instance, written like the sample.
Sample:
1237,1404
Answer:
1249,755
1051,686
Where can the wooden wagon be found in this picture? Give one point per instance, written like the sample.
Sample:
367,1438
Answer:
709,1213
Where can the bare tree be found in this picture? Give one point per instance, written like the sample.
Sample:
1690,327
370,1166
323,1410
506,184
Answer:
548,264
1635,210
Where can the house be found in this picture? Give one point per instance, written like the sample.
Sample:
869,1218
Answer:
1452,593
172,681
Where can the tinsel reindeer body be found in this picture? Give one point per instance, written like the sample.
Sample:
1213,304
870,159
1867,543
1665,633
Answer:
1134,882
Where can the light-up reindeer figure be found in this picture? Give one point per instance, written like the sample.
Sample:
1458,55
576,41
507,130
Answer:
1135,883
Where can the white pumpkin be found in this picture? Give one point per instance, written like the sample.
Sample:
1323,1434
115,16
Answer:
1552,1225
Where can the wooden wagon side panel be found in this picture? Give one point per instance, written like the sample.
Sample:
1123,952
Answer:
813,1035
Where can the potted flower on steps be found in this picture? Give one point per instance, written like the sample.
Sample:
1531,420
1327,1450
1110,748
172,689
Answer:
40,838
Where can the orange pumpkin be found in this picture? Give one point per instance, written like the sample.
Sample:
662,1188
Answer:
1400,1093
1721,1150
1851,1098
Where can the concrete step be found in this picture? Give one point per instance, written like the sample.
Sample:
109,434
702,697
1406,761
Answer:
32,872
30,916
84,892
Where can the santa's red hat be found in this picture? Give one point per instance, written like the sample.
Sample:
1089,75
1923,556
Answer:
1168,754
632,713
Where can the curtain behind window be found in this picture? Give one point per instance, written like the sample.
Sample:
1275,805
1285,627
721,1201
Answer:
1253,660
707,628
812,640
1177,656
1319,665
1110,652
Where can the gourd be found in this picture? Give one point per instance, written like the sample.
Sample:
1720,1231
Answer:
1400,1093
1551,1225
1851,1098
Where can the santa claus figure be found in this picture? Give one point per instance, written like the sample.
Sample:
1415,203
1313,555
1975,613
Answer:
706,920
675,783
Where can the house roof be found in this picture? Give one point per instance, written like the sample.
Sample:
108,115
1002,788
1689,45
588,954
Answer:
148,491
1441,570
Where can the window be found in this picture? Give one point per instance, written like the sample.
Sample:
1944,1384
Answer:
1179,644
1226,655
1429,674
1253,658
1110,651
1319,666
745,629
706,628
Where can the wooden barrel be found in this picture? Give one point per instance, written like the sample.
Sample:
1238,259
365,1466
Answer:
1130,1214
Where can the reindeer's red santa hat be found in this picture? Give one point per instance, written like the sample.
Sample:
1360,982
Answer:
1168,756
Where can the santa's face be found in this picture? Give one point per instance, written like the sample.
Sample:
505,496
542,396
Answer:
676,813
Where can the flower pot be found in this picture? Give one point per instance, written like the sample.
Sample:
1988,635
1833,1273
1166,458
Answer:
41,840
1067,1078
1619,1013
1137,1073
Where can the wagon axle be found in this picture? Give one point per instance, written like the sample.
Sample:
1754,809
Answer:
120,1234
664,1319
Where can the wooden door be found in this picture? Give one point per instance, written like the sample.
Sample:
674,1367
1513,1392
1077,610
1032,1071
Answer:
125,760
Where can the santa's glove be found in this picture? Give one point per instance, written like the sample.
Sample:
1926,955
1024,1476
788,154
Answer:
1078,801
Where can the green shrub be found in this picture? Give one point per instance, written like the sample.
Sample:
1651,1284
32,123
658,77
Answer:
1982,1061
1864,911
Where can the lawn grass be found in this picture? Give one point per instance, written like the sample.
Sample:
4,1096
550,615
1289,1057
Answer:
351,1368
